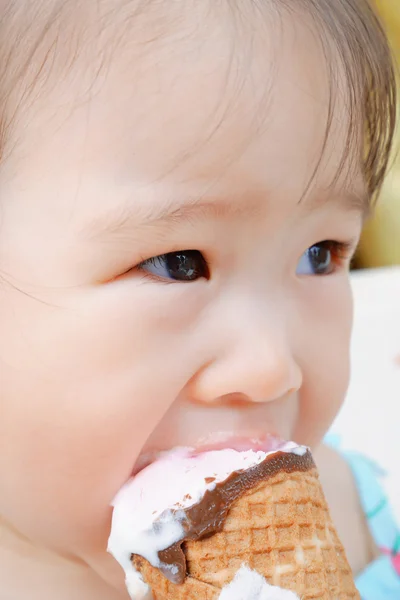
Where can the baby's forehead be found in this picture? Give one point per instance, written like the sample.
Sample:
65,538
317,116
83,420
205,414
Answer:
201,102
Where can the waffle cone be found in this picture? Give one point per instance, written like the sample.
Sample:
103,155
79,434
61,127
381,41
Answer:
282,529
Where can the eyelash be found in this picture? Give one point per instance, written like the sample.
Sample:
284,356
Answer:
342,252
154,279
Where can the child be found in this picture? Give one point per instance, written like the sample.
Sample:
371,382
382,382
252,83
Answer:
183,186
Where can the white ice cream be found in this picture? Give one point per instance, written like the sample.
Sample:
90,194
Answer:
177,480
250,585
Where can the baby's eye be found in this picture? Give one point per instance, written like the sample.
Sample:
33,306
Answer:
323,258
185,265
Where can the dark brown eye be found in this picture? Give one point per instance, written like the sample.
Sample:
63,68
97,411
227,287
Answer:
317,260
320,258
185,265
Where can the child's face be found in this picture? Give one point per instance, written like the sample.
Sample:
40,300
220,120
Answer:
182,146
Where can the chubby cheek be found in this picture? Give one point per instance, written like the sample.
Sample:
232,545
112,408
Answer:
324,337
84,385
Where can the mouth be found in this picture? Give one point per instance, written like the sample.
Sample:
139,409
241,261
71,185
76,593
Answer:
240,443
214,442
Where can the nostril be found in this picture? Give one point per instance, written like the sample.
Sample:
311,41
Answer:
234,400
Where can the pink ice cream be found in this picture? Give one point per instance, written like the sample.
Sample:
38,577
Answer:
177,480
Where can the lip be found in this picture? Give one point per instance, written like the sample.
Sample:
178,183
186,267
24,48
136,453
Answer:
144,460
241,443
214,442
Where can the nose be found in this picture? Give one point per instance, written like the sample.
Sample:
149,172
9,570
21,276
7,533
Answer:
255,364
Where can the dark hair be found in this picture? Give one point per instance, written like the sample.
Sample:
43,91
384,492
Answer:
350,26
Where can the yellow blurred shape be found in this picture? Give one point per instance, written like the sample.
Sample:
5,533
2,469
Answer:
380,244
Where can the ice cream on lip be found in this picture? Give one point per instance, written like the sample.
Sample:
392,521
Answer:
152,524
212,442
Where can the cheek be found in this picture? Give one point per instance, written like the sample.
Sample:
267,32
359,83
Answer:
83,385
325,341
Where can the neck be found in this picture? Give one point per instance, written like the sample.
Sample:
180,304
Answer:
29,571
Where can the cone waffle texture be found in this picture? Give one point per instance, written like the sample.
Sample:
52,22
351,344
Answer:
282,529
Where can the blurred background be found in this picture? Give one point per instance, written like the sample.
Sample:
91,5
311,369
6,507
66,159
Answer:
380,244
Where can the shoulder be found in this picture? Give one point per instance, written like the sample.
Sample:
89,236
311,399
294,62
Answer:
345,507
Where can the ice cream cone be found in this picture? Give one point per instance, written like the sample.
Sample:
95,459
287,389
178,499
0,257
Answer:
283,530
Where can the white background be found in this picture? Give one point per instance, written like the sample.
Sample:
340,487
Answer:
369,421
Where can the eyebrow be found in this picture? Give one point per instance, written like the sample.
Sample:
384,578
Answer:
167,214
356,200
171,213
